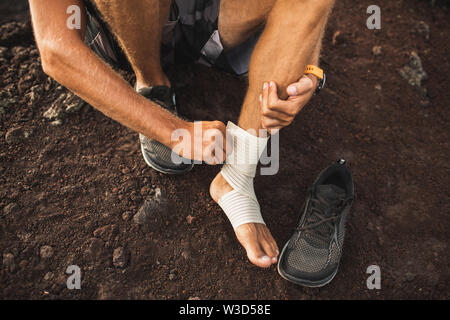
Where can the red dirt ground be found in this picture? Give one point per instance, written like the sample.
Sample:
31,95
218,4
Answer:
76,186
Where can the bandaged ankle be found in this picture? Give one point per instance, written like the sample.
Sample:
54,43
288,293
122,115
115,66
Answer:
241,205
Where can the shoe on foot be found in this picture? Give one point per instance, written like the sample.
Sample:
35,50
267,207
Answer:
312,254
157,155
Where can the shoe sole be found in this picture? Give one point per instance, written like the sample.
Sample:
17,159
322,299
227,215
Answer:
304,282
161,169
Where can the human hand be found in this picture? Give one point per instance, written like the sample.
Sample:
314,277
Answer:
201,141
278,113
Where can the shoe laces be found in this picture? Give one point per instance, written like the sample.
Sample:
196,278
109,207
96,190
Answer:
322,212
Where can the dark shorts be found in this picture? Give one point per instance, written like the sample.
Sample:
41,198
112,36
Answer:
190,36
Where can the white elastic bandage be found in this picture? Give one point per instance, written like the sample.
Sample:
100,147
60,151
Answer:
241,205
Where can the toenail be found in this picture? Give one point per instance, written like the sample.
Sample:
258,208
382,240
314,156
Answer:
265,259
274,260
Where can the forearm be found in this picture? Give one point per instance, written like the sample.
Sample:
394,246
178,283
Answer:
80,70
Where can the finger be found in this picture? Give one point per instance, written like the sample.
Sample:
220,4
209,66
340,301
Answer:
292,106
265,96
209,156
214,138
273,95
303,86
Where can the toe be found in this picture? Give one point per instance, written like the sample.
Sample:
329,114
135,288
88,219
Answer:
269,246
249,237
257,256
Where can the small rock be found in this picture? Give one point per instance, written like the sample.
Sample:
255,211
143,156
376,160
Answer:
172,276
185,254
145,190
73,103
57,122
16,135
8,261
151,209
425,103
127,215
54,112
414,73
119,257
194,298
10,208
48,276
35,94
65,103
378,87
46,252
423,29
189,219
3,50
377,51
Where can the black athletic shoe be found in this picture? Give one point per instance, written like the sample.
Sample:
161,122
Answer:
311,256
157,155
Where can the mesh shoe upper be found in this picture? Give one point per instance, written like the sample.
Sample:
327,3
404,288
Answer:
314,250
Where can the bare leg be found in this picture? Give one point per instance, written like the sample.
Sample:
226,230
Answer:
291,37
137,24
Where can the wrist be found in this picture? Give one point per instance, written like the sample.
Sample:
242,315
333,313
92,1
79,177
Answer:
175,124
317,75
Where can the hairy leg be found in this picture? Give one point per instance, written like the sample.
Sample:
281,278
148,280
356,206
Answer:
291,39
239,19
137,25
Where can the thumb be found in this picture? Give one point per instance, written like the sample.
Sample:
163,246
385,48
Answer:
304,85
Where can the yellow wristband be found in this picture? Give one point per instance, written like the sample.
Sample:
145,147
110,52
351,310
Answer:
310,69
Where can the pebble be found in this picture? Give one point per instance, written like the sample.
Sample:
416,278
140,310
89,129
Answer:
10,208
151,208
127,215
189,219
8,261
54,112
414,73
119,257
46,252
377,51
172,276
423,29
48,276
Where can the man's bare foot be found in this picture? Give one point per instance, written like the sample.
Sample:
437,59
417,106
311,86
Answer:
262,250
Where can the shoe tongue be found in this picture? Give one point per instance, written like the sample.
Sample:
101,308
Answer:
329,192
